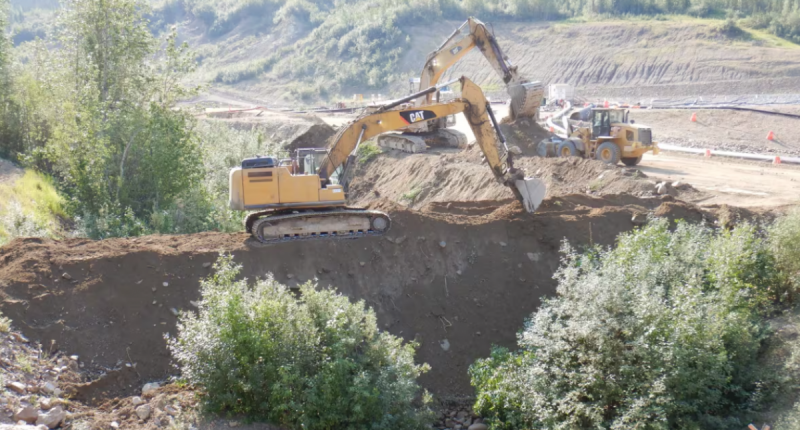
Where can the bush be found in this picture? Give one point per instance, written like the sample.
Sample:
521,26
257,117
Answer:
784,235
367,151
664,331
317,362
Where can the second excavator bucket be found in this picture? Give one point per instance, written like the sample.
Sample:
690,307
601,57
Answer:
532,192
526,98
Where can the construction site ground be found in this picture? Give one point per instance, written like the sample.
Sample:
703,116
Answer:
461,269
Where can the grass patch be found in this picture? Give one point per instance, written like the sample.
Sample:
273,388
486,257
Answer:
31,206
770,39
367,151
412,194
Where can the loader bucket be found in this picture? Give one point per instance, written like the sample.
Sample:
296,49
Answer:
532,192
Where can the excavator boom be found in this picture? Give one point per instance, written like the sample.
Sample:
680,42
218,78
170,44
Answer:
525,96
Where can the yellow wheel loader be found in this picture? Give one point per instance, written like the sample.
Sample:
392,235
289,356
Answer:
305,197
605,134
526,97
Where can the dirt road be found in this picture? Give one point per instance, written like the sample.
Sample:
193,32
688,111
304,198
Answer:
739,183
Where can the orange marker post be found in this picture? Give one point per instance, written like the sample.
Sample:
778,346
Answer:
771,136
694,117
777,160
708,153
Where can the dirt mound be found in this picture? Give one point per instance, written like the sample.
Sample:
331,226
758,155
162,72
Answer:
417,180
111,302
292,131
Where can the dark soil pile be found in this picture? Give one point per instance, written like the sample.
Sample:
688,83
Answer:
456,283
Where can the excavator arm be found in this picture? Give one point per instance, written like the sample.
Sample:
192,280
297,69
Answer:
473,104
525,96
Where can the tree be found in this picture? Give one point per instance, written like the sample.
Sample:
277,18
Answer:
8,129
117,143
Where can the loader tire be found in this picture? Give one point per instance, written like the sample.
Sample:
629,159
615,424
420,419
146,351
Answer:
631,161
609,153
567,149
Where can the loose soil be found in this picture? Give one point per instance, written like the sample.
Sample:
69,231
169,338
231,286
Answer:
111,301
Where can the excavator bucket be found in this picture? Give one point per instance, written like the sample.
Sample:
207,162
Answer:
531,191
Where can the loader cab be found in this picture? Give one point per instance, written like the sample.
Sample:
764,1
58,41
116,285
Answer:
603,118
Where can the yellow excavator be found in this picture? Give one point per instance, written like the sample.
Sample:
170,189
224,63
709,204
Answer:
305,197
526,97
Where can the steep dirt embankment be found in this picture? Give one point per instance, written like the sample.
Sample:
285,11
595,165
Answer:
631,60
646,59
457,284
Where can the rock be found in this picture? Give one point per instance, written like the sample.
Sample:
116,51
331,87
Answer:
114,425
457,427
143,412
150,388
534,256
639,219
478,426
171,410
503,244
290,276
400,240
17,386
449,423
45,403
52,418
462,415
443,244
136,400
207,264
174,311
445,344
27,414
57,392
362,264
49,387
73,357
19,337
66,276
195,304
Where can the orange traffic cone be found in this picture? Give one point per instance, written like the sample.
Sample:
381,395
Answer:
771,136
694,117
605,105
708,153
552,130
777,160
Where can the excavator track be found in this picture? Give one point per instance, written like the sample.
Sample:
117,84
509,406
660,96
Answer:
287,226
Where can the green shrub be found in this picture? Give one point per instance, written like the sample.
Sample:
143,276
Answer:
784,235
313,362
367,151
662,332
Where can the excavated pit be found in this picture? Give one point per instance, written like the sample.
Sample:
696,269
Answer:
107,302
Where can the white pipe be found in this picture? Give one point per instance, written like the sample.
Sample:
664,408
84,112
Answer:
760,157
559,130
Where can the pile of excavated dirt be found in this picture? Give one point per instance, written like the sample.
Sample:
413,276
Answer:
291,131
457,284
417,180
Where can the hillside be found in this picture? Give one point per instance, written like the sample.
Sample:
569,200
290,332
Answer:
610,58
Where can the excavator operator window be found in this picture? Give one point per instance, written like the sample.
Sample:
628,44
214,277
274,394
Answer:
616,116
